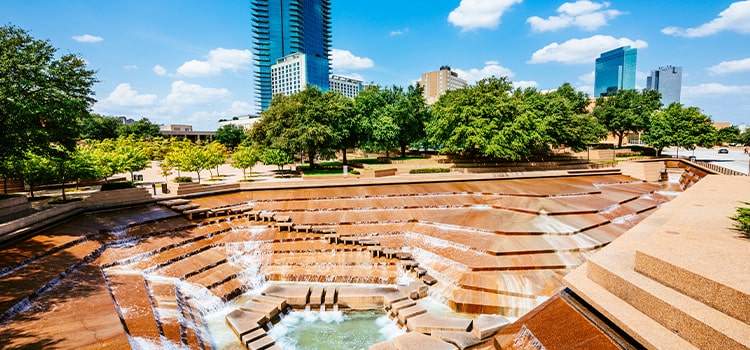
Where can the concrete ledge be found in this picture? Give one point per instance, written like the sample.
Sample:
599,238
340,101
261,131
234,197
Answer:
419,341
243,322
461,340
428,323
296,296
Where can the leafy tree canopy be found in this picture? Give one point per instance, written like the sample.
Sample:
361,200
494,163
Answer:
627,110
141,129
99,127
43,98
230,135
679,126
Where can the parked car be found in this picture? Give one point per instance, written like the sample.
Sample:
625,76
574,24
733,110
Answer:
723,151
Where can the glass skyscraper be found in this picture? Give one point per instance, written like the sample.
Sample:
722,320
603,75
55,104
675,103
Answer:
615,70
285,27
668,81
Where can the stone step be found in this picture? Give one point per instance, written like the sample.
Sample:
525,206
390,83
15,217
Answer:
427,323
279,303
419,341
296,296
405,314
243,322
269,310
262,343
462,340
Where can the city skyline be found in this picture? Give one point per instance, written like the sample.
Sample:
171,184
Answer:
615,70
190,62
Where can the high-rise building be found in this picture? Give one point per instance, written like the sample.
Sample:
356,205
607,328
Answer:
615,70
437,83
668,81
284,27
289,74
348,87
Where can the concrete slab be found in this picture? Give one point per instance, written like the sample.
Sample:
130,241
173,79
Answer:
403,304
269,310
253,336
462,340
405,314
296,296
427,323
330,296
279,303
262,343
316,296
487,325
386,345
243,322
361,298
419,341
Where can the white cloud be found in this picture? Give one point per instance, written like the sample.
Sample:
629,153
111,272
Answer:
345,60
476,14
184,93
584,14
218,60
726,67
491,68
523,84
125,96
714,89
582,51
159,70
130,67
87,38
399,32
587,78
735,18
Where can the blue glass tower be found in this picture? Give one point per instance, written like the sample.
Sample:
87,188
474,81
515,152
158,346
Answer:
284,27
668,81
615,70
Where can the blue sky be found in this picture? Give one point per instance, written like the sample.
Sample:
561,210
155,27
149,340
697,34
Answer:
190,61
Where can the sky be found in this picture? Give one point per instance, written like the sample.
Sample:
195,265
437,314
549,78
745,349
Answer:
190,61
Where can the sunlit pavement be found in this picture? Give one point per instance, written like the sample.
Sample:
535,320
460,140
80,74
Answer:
736,159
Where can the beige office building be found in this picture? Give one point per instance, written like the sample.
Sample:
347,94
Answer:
438,82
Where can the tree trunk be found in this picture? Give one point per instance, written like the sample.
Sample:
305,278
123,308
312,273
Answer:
403,151
311,156
217,170
31,189
620,135
343,152
63,190
199,176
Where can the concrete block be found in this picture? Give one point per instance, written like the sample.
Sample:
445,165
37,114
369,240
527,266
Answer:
462,340
405,314
487,325
419,341
243,322
427,323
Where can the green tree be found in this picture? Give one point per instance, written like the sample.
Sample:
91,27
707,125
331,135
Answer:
680,126
73,165
43,99
230,135
627,111
569,123
728,134
34,169
216,155
277,157
245,158
99,127
141,129
410,115
124,154
300,122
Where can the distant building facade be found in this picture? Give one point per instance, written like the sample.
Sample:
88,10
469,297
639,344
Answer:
348,87
289,74
245,122
185,131
615,70
284,27
668,81
437,83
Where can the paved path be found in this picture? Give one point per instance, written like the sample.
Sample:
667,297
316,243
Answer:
736,159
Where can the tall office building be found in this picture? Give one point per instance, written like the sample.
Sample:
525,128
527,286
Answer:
615,70
285,27
348,87
289,74
437,83
668,81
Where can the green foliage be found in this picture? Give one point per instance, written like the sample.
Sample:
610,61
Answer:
99,127
742,219
43,99
230,135
492,119
245,158
187,156
728,134
141,129
628,110
429,170
679,126
115,156
277,157
119,185
183,179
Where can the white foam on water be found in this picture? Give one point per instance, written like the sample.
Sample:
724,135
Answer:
387,328
140,343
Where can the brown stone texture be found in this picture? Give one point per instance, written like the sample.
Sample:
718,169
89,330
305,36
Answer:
555,324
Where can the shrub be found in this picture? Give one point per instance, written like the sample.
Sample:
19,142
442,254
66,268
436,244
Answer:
742,220
183,179
429,170
110,186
